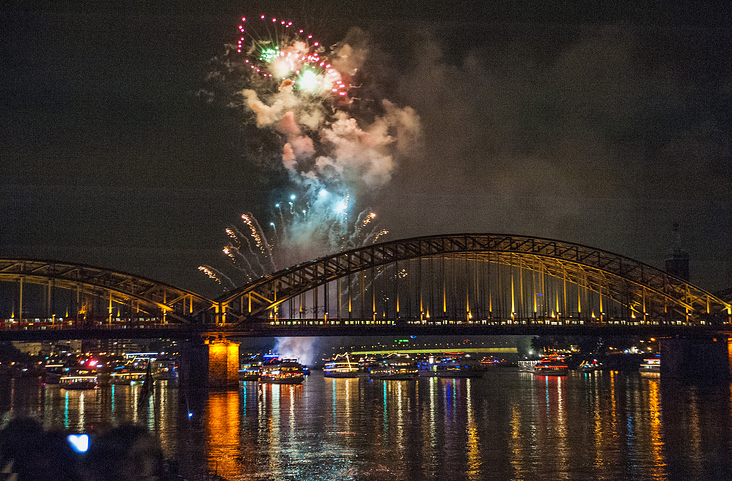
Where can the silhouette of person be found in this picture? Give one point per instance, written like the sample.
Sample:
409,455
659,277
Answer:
28,453
125,453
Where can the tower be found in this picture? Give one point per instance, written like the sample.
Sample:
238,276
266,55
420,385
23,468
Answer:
677,260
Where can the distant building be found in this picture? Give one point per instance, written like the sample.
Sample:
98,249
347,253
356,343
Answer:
114,346
34,348
68,347
677,260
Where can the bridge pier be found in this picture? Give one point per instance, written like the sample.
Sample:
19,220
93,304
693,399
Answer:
211,363
696,358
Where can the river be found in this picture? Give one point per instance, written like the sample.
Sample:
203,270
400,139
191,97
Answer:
506,425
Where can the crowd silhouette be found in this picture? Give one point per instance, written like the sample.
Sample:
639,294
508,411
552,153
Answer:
124,453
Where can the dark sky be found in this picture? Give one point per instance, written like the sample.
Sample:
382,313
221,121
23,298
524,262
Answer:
602,126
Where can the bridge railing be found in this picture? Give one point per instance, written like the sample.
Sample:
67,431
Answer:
533,321
39,324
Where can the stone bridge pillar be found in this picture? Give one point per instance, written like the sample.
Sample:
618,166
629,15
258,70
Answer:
696,358
211,363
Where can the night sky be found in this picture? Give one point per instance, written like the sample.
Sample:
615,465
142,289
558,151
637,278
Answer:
602,127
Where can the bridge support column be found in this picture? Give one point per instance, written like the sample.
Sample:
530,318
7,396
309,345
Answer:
209,364
697,358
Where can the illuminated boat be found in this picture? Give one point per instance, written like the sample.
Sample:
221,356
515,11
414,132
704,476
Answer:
53,373
651,366
167,370
551,366
286,371
78,381
249,369
589,366
394,368
459,368
340,366
249,373
451,367
127,377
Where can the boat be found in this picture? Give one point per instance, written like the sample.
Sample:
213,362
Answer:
551,366
167,370
589,366
341,366
526,365
249,373
651,366
451,367
53,373
285,371
394,368
249,369
459,368
127,377
78,381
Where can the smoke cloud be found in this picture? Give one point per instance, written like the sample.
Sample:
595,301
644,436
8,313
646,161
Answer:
303,349
600,136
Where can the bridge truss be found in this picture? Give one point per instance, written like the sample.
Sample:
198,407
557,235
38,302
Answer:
77,293
434,280
473,278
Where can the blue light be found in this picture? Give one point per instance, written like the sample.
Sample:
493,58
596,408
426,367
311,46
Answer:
277,205
293,197
79,442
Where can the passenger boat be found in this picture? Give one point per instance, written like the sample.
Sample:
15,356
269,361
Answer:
651,366
459,368
285,371
78,381
526,365
451,368
249,369
551,366
167,370
249,373
394,368
341,366
127,377
53,373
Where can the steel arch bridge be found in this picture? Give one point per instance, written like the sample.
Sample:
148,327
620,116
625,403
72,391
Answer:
434,280
85,293
473,278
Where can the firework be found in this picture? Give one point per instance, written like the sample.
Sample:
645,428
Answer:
302,230
297,91
275,49
216,275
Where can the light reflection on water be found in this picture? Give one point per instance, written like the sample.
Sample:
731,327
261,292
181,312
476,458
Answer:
507,425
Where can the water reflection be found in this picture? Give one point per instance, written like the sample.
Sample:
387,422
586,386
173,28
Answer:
697,437
654,421
222,433
507,425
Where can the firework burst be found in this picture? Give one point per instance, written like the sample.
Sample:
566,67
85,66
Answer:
296,91
300,231
290,58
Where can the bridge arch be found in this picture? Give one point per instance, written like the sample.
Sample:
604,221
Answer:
488,276
83,291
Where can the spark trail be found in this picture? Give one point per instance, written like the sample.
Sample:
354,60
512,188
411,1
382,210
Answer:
334,149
